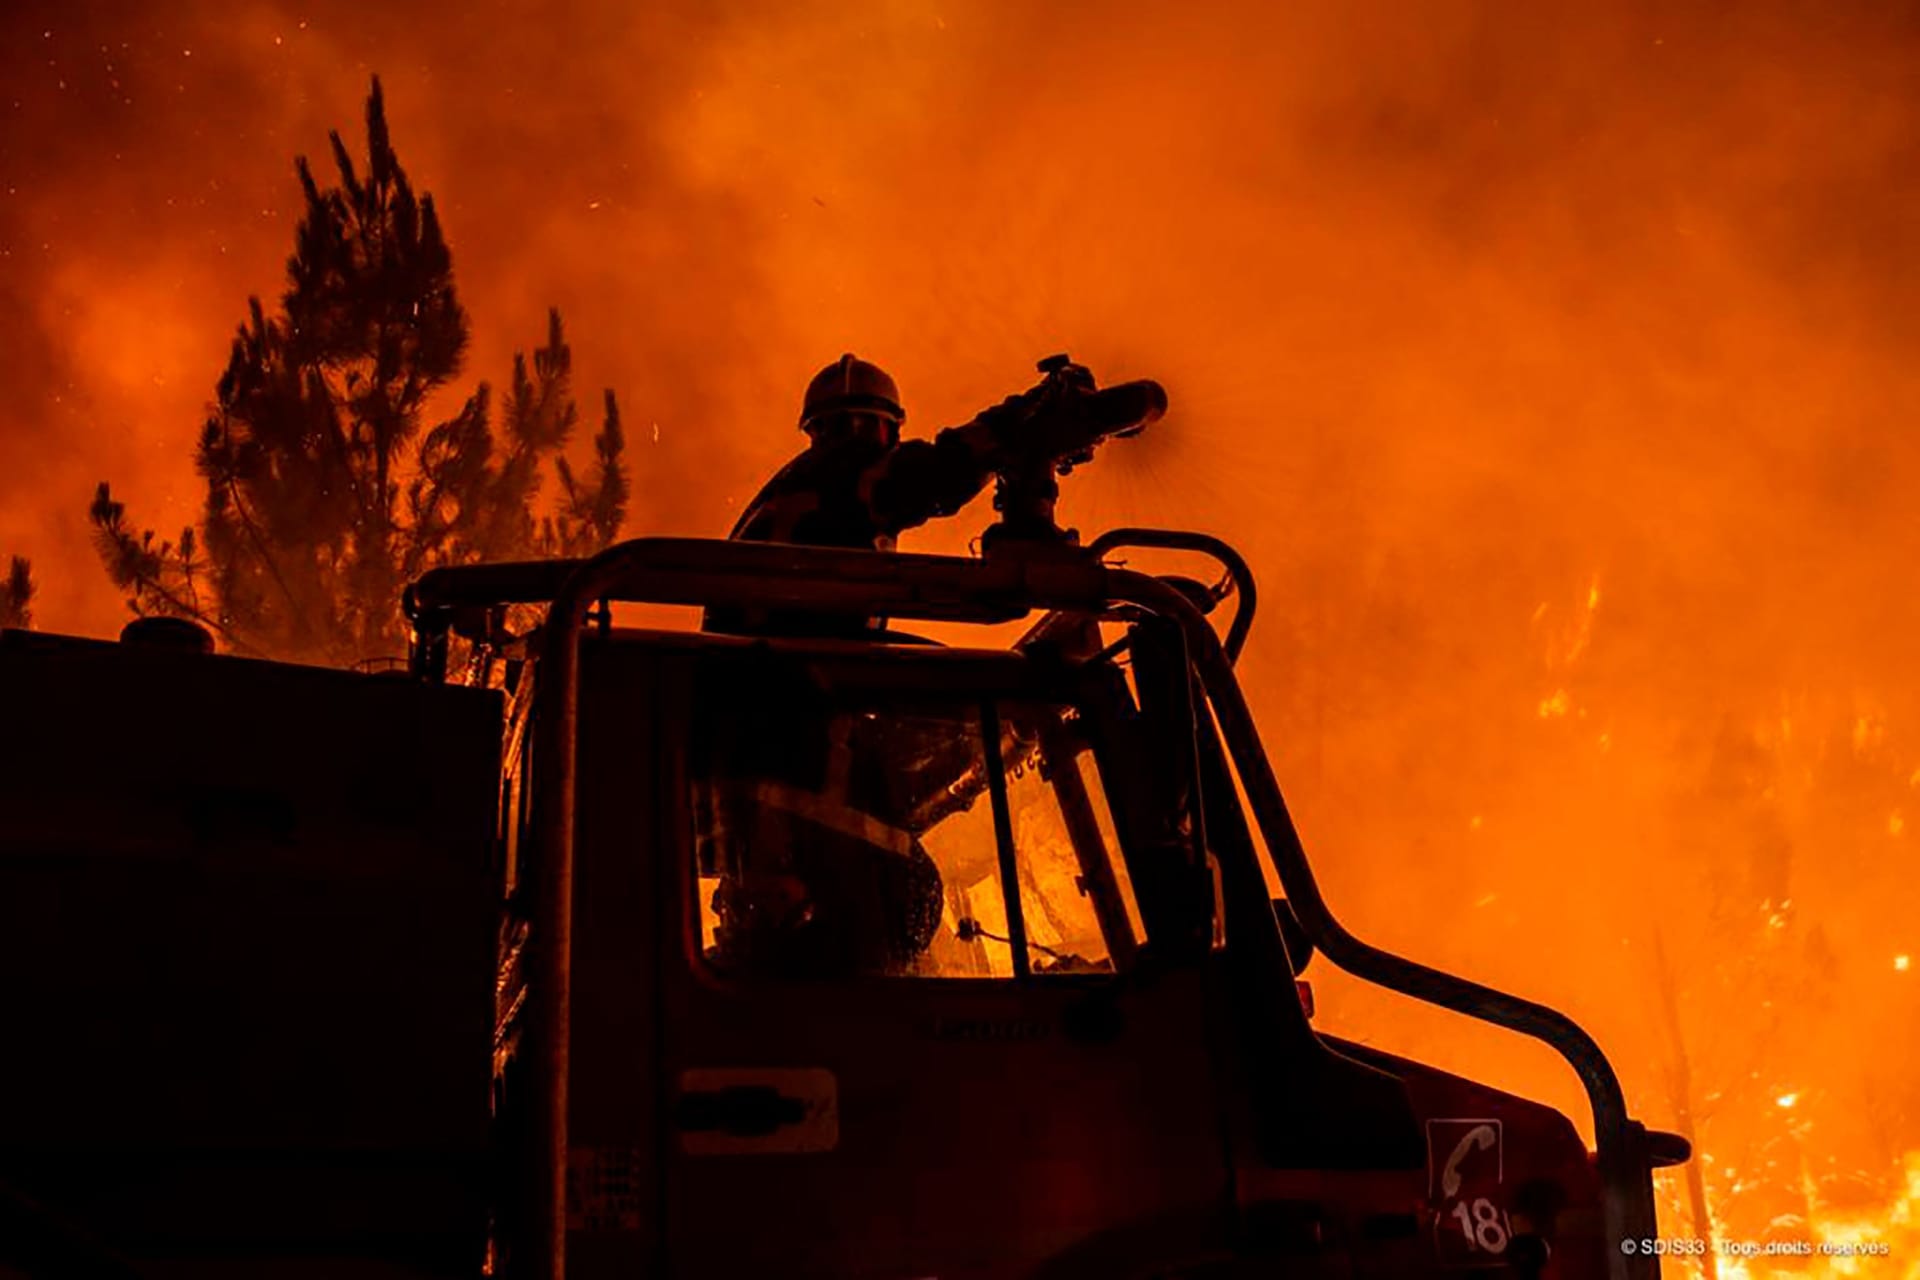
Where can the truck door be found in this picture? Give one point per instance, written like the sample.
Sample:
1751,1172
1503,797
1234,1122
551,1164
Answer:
907,1028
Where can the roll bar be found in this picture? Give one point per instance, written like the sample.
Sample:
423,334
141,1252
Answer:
1238,581
997,588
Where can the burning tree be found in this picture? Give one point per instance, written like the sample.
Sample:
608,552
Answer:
1772,925
16,595
1748,981
324,495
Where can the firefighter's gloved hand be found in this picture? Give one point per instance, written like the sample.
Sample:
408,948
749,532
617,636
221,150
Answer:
995,437
1069,422
1036,424
1059,421
1063,382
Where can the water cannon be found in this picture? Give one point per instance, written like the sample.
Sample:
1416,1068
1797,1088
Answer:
1044,433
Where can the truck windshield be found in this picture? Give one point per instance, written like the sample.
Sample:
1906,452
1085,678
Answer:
856,840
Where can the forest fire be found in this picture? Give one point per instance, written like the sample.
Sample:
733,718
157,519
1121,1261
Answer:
1876,1240
1554,374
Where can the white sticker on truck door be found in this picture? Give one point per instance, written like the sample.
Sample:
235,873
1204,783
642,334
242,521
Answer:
1466,1176
739,1111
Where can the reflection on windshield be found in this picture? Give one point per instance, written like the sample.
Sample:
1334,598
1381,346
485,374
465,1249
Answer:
852,841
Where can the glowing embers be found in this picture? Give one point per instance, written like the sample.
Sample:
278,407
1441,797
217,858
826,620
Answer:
1865,1240
1564,633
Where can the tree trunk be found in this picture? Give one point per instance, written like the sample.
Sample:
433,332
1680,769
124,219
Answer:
1680,1084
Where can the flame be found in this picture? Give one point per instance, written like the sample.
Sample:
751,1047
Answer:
1869,732
1881,1240
1566,640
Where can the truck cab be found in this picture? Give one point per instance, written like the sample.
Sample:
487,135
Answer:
866,957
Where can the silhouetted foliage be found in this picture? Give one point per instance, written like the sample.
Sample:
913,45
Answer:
593,509
16,594
325,496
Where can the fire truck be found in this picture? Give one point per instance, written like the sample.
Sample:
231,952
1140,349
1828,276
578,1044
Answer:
641,951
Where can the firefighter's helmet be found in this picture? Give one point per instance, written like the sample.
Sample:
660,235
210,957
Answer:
850,385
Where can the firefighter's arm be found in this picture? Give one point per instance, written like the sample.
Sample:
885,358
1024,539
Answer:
919,480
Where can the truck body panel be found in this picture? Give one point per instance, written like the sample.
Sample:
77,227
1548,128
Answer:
248,915
682,955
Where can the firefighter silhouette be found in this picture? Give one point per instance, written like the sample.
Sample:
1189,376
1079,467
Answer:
858,485
814,874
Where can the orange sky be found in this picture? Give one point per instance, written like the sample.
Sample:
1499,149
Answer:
1464,308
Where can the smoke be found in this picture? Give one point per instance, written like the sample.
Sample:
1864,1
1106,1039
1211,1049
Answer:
1485,327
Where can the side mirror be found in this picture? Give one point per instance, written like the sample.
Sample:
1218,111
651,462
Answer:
1299,947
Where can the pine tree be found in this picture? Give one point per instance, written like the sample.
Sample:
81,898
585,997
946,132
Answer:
16,595
325,490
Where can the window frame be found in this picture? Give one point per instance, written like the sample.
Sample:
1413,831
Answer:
980,684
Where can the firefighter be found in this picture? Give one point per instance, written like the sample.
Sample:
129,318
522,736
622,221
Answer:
813,876
858,485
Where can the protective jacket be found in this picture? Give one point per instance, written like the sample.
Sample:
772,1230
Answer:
858,493
862,493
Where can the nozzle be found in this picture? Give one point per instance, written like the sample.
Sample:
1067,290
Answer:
1065,420
1131,407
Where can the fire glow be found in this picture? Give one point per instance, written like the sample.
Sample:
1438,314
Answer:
1549,371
